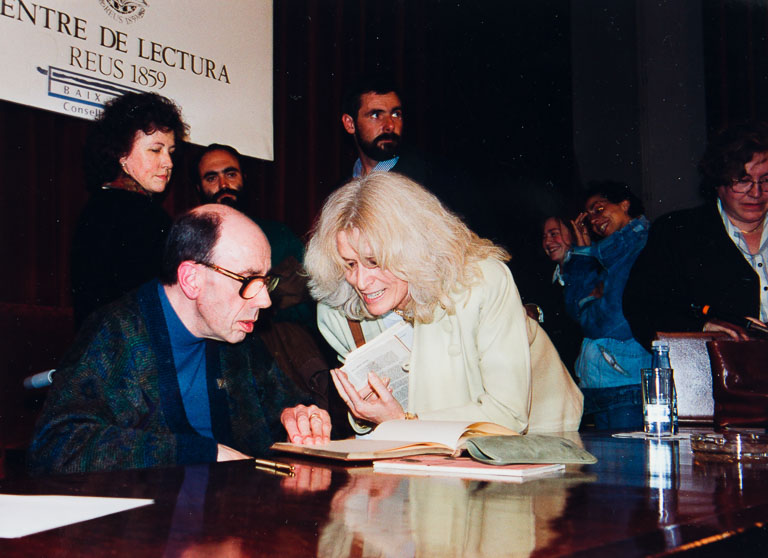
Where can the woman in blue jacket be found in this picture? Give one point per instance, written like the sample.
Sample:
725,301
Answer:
609,363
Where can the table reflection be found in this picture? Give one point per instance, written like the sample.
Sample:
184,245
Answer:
385,515
205,500
642,497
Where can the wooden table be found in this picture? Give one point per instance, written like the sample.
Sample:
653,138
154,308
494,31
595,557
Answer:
641,498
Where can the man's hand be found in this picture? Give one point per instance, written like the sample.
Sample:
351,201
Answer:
373,403
226,453
307,425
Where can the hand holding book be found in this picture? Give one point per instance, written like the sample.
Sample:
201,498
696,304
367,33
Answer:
373,403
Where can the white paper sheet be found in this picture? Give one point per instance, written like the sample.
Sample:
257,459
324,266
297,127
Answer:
22,515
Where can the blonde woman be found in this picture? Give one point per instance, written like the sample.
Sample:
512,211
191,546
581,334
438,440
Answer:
384,249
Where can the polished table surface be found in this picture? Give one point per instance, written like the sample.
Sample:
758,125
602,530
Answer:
641,498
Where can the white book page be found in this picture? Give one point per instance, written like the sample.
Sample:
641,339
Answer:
446,432
387,355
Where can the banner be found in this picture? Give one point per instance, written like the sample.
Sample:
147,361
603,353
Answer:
214,59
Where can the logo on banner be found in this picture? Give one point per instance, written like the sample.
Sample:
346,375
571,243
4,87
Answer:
83,95
125,11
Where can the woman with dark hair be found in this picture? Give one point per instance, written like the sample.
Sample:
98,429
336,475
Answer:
609,363
713,255
119,238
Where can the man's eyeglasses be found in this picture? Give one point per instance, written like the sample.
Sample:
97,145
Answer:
252,285
744,184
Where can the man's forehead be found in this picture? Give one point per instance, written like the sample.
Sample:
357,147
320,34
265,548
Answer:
372,100
243,245
217,160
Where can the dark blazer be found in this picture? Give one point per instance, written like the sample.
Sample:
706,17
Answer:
115,402
689,259
414,167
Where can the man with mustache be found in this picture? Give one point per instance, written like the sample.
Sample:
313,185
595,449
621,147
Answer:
218,176
373,117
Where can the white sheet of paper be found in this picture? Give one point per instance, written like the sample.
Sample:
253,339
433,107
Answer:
22,515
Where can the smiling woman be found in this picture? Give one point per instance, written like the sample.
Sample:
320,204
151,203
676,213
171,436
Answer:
118,241
610,359
384,250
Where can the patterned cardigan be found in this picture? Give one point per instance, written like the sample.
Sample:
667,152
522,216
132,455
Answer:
115,402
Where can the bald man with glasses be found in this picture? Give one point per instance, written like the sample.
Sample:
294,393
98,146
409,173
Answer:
169,375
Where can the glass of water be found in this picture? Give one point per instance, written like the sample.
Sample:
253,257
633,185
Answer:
657,401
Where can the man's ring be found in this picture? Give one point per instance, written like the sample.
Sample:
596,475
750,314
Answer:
313,416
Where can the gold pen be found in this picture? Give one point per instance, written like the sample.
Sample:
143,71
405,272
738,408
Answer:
273,471
266,463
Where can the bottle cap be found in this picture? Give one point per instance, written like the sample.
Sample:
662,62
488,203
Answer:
660,343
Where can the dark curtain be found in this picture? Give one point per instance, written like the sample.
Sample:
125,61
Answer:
736,61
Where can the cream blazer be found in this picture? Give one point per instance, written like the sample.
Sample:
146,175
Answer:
477,363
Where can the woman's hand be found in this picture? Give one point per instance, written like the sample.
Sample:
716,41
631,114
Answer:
580,231
597,292
735,332
374,403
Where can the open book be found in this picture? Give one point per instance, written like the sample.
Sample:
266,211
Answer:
465,467
401,438
386,355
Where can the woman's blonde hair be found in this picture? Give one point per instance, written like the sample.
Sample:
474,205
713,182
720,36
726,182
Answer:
410,234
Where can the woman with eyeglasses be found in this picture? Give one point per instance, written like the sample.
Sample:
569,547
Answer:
128,161
609,363
384,252
714,255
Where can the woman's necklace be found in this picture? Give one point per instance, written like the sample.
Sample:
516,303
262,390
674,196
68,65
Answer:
408,318
759,226
126,183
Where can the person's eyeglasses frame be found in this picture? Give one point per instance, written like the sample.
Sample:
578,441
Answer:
268,281
762,185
